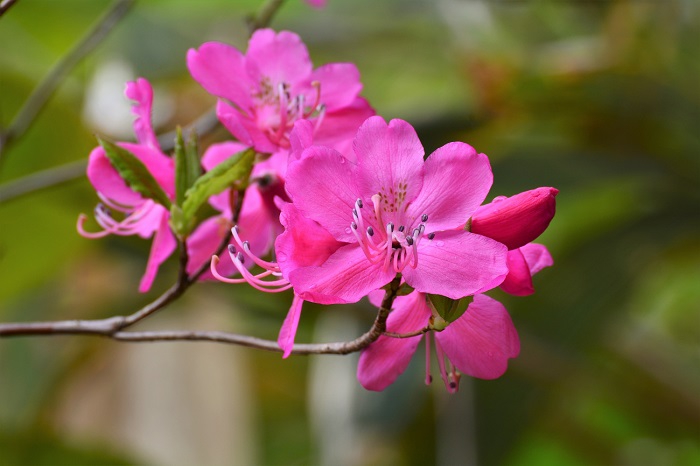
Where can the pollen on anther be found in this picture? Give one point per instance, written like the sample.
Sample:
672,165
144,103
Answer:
353,225
240,258
246,244
391,226
424,218
370,231
231,249
409,240
431,235
359,203
402,228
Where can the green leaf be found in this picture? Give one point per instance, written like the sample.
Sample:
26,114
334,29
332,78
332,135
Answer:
187,165
447,310
404,289
233,172
135,173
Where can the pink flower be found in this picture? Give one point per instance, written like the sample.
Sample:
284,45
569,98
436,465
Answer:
479,343
516,220
523,263
352,226
264,92
393,213
142,217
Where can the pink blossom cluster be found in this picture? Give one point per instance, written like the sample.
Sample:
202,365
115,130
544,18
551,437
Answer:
344,203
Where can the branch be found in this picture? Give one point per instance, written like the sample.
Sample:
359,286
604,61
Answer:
111,328
5,5
422,331
264,16
41,94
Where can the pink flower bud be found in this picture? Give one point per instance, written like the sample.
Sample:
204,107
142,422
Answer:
517,220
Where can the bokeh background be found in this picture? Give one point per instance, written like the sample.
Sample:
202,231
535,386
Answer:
600,99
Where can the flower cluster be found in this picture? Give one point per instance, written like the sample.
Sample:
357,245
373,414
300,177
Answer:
345,203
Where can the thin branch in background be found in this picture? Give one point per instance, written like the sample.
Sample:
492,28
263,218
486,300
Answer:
112,326
264,16
41,94
6,5
42,180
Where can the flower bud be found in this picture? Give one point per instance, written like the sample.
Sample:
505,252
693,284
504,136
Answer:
517,220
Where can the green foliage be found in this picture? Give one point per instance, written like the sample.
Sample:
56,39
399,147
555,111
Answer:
187,164
447,309
135,173
231,173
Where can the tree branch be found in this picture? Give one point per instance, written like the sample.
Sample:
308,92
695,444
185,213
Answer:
41,94
5,5
112,327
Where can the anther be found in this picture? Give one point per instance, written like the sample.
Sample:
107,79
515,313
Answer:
231,249
431,235
359,203
370,231
402,228
453,385
416,233
240,258
353,225
391,226
424,218
409,240
246,245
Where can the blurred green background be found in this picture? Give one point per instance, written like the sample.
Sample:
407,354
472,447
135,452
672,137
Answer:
600,99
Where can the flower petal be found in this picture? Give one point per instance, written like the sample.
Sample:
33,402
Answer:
457,264
280,57
217,153
203,243
519,280
163,245
243,128
537,257
390,162
340,84
385,359
456,182
303,243
339,128
482,340
288,332
516,220
346,277
220,69
142,92
320,185
106,180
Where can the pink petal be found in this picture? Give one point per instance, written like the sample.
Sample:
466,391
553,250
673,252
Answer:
482,340
280,57
142,92
340,85
457,264
107,181
317,3
346,277
456,182
537,257
203,243
301,137
158,164
320,185
285,340
390,162
517,220
303,243
244,129
385,359
339,128
163,246
217,153
519,280
221,70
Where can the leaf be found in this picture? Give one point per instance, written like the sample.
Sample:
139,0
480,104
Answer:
233,171
135,173
187,165
447,309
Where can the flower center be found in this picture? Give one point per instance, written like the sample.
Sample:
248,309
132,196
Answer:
395,247
277,110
